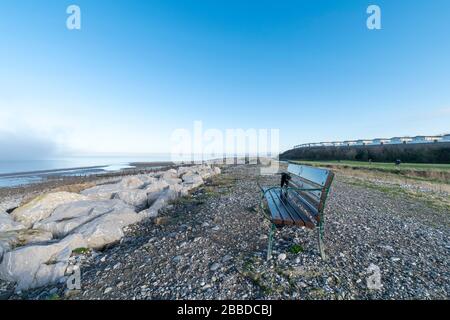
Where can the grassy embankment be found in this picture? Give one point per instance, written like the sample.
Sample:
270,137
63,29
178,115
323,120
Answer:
419,171
429,183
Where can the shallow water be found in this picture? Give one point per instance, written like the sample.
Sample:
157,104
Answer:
22,172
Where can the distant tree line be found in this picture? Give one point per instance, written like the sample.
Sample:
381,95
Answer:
413,153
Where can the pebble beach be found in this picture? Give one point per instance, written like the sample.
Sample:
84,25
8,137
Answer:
211,244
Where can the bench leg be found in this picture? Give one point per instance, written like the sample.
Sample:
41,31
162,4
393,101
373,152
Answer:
269,246
262,210
320,236
261,206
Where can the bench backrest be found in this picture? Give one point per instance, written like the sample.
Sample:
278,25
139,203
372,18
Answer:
306,177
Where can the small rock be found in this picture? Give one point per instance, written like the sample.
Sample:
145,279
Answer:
70,293
70,269
303,285
53,291
282,256
5,295
214,266
172,235
227,258
161,221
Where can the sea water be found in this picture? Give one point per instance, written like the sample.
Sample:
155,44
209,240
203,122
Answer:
22,172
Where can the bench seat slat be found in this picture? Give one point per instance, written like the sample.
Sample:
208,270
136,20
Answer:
310,196
305,203
283,213
288,217
299,217
274,209
282,217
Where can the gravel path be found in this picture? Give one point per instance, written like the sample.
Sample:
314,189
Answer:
212,245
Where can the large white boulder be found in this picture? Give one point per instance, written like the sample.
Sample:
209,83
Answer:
182,170
149,213
102,192
8,224
107,228
70,216
107,191
172,181
147,178
93,219
43,206
153,196
192,179
157,186
180,189
136,198
10,202
12,239
169,174
166,196
39,265
132,182
188,186
206,171
161,200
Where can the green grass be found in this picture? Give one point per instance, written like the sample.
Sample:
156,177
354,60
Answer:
54,296
382,165
417,171
296,249
81,250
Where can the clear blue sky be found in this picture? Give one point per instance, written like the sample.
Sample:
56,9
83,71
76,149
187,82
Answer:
137,70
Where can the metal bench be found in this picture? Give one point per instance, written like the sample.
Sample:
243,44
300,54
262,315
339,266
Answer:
298,201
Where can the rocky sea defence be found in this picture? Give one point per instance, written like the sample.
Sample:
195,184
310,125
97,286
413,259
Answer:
38,238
